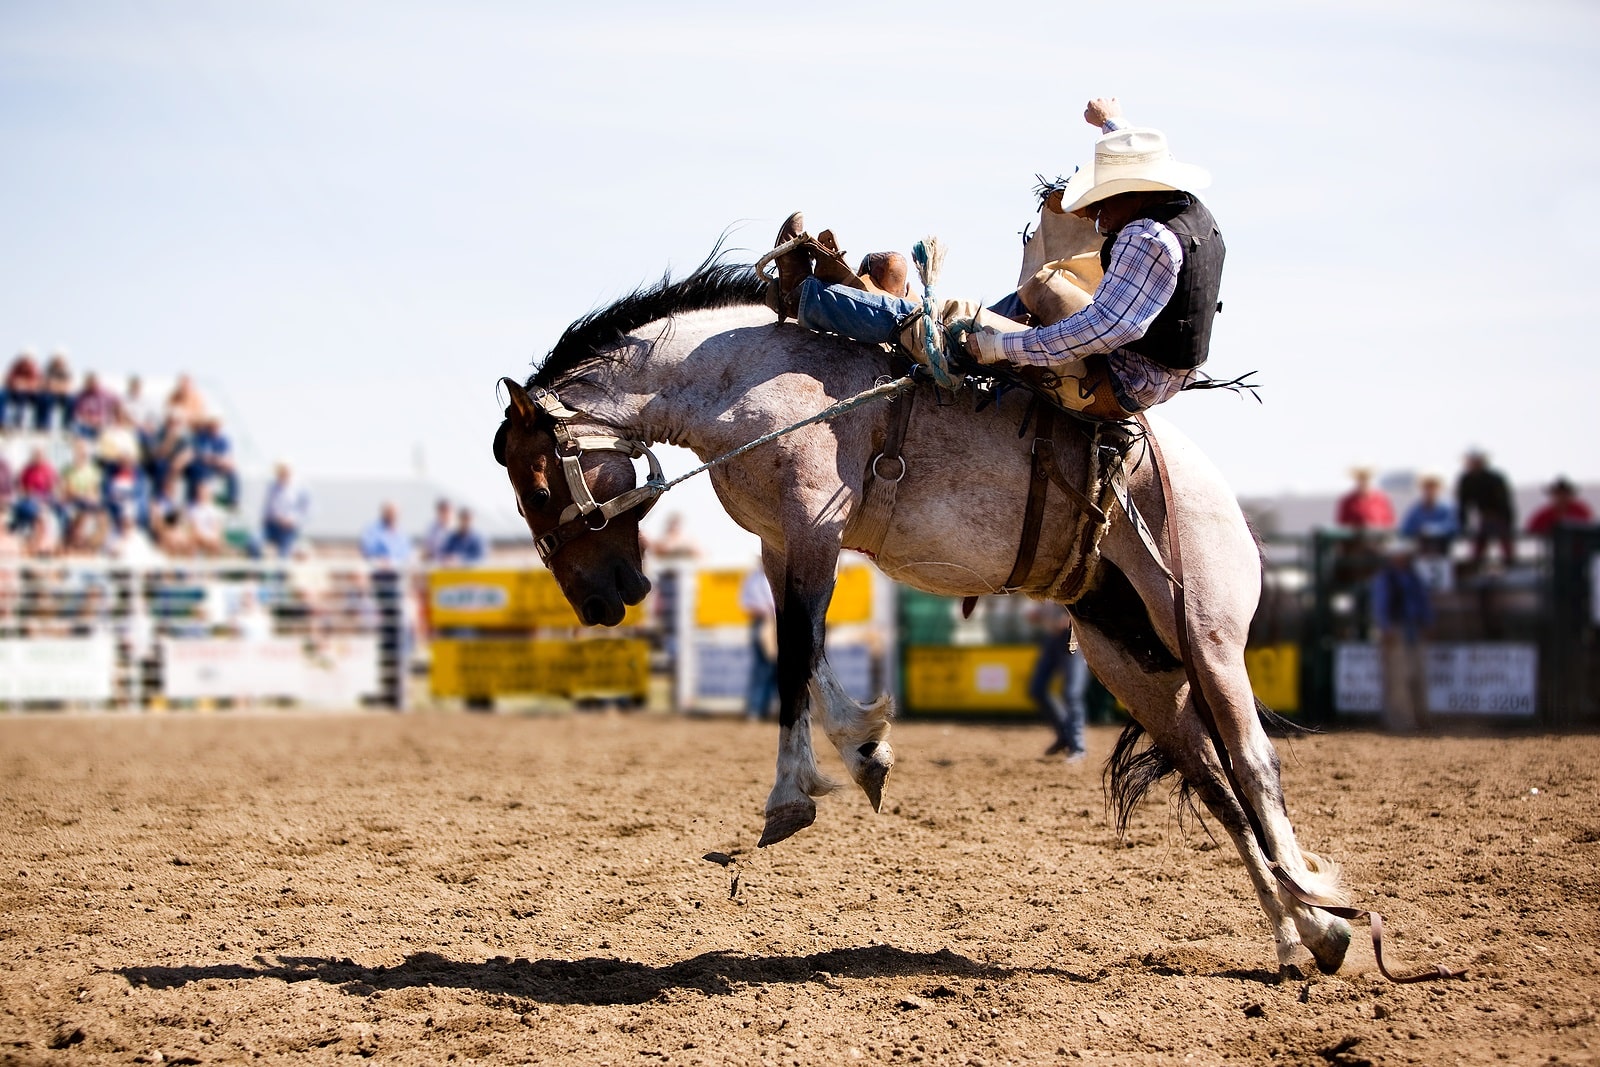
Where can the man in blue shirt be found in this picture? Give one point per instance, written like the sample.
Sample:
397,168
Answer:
464,545
383,541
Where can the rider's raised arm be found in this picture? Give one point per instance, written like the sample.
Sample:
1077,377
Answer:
1104,112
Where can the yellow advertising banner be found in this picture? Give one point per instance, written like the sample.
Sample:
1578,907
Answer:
486,667
717,597
1275,675
985,678
504,600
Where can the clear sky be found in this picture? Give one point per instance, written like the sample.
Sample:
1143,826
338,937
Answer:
348,219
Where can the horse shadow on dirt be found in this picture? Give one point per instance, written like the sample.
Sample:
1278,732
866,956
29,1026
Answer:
596,980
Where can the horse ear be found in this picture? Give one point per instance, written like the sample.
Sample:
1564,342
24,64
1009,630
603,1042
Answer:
500,442
520,400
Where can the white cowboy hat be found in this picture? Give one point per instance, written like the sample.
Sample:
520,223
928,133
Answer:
1135,159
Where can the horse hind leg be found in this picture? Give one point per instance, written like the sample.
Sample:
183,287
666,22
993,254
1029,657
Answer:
859,732
1129,658
1257,770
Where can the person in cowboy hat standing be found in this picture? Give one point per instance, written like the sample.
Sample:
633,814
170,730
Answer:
1150,317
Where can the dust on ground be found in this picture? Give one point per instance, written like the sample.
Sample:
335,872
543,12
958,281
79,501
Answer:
494,889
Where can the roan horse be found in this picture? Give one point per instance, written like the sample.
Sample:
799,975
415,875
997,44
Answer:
701,363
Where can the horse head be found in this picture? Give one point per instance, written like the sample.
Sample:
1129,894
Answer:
582,501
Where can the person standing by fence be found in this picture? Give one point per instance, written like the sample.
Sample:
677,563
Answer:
388,549
1058,657
1402,611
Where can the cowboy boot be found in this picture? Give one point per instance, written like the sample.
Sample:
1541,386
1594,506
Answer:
794,267
831,268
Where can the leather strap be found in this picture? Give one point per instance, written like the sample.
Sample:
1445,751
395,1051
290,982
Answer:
1038,488
1203,708
871,521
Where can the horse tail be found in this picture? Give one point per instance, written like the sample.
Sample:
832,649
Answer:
1134,769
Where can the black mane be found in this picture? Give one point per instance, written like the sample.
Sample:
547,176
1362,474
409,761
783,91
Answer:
713,284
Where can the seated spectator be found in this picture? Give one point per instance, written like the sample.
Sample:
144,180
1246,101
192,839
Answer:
41,538
1565,508
36,489
438,533
82,479
185,402
169,452
207,523
8,492
383,541
465,545
169,520
127,492
22,395
117,440
56,409
1365,509
84,533
284,512
94,408
211,457
142,412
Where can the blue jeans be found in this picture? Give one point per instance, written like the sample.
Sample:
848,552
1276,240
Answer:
763,685
1066,712
853,313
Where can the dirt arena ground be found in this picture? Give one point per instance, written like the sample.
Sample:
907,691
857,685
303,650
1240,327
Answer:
449,888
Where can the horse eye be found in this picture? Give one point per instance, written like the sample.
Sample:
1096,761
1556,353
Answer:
540,497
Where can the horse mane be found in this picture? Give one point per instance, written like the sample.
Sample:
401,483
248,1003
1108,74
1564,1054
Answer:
601,333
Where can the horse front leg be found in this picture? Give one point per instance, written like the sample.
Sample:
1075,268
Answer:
859,731
801,595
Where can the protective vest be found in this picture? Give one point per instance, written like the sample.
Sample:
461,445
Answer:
1180,336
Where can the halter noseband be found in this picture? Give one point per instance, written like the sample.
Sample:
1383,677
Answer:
579,517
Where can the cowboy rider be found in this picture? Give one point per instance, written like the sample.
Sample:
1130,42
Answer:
1148,324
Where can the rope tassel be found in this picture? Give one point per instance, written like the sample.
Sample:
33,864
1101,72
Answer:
928,255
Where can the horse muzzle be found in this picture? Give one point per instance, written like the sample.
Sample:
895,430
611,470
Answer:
607,607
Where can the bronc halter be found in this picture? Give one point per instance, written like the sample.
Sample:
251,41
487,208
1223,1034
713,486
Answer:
586,514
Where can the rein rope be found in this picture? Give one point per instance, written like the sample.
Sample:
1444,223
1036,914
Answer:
883,390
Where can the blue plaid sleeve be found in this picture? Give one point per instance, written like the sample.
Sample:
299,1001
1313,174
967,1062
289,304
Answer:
1141,278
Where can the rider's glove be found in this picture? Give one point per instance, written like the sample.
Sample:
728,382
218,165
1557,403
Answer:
983,345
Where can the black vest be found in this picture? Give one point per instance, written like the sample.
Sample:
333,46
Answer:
1180,336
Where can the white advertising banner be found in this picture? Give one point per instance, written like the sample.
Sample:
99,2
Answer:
331,673
1463,678
57,668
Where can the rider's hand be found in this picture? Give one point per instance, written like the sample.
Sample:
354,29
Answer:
983,345
1100,110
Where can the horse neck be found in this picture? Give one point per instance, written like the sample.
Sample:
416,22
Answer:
673,387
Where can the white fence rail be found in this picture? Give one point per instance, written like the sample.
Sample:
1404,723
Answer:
91,633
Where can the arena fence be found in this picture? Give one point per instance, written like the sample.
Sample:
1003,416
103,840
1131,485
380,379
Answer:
99,634
1514,644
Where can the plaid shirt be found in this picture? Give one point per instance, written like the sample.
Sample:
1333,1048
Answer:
1143,275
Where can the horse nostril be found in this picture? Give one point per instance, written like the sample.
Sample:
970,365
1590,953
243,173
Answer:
631,584
602,611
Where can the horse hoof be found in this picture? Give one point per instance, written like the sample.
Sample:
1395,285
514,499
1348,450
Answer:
875,771
1329,952
786,820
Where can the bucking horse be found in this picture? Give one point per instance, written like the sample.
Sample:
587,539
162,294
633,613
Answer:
816,444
